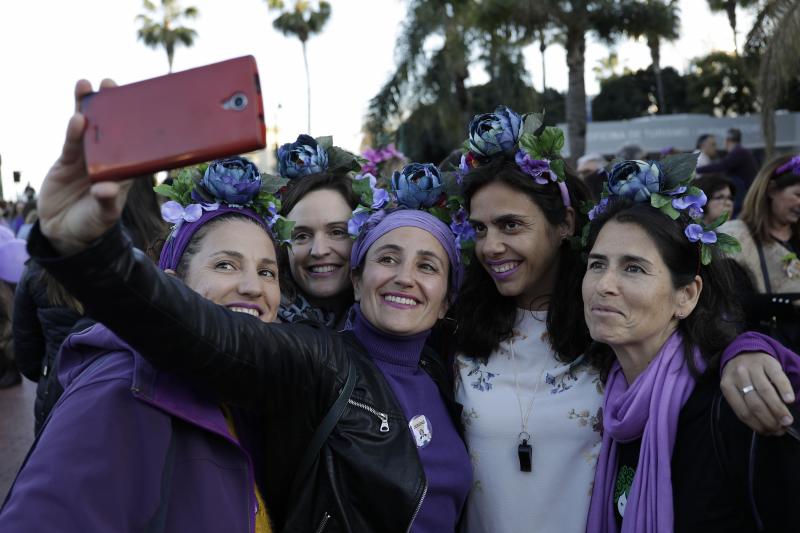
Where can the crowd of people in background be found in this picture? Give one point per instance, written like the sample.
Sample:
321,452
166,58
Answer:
503,342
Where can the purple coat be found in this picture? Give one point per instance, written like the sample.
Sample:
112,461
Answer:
129,448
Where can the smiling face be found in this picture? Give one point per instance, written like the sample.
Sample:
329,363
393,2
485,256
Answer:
320,254
402,285
785,204
629,301
516,244
236,266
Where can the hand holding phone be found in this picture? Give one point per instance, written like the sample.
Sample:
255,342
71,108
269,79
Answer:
174,120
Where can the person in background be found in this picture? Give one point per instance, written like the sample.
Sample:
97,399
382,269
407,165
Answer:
769,232
630,151
738,165
706,148
141,217
130,448
13,256
591,169
720,193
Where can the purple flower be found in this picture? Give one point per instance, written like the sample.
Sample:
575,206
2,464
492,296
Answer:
635,180
418,185
303,157
461,227
235,181
694,232
357,221
690,201
494,133
538,169
598,209
793,164
380,196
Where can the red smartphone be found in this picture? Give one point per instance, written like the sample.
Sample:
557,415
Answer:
174,120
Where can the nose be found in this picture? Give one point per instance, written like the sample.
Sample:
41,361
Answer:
492,244
606,283
404,275
320,247
250,283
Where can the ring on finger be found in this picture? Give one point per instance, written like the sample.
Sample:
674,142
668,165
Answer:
747,390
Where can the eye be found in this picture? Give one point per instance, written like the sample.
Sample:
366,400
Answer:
300,238
596,266
634,268
386,260
480,229
266,272
428,267
339,233
226,266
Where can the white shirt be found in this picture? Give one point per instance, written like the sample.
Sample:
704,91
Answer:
564,424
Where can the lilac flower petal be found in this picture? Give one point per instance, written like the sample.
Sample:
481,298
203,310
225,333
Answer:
708,237
694,232
172,212
192,213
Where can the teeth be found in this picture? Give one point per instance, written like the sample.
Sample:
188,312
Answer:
399,300
505,267
322,269
246,310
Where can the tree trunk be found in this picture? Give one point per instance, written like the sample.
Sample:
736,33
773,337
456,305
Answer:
576,93
655,55
542,48
170,56
308,90
731,9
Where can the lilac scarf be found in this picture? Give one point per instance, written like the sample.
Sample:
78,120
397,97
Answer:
649,410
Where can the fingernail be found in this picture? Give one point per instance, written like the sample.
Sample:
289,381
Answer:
788,397
786,421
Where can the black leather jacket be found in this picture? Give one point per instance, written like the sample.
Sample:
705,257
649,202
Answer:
364,479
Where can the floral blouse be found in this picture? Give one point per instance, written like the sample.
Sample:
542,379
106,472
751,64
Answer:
564,424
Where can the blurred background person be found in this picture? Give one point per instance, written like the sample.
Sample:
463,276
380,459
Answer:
739,165
591,169
720,193
707,149
12,262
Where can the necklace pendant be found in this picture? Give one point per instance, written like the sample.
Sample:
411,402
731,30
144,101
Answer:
525,453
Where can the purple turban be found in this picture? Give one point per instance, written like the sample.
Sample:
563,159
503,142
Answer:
13,256
176,244
381,223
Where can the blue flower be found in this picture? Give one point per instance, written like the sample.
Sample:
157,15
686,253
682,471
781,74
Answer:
538,169
461,228
235,181
635,180
694,203
418,185
494,133
380,196
694,232
598,209
303,157
357,221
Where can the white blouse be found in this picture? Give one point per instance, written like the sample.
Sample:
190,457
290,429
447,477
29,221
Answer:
564,423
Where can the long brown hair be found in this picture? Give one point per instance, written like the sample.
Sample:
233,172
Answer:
756,209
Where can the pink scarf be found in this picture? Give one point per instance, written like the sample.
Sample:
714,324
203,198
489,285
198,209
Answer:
649,410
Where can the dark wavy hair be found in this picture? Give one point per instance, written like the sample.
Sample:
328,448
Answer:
714,323
484,316
297,189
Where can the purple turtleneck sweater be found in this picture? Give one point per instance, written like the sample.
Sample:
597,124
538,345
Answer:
442,452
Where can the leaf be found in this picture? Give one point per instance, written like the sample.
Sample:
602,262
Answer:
528,143
326,141
272,184
705,254
557,165
678,168
670,211
441,213
282,229
362,189
693,191
532,122
660,200
166,190
549,144
586,206
340,160
728,244
718,221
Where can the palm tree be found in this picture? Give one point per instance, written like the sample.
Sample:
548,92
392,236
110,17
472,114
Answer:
729,7
302,21
167,33
655,21
775,38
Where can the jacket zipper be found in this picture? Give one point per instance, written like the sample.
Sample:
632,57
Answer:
383,417
419,506
323,523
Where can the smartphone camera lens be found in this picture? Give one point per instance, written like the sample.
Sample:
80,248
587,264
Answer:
237,102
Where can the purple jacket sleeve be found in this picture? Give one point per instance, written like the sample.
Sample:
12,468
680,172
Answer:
751,341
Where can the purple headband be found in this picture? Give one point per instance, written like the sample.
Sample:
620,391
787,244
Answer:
793,164
176,243
381,223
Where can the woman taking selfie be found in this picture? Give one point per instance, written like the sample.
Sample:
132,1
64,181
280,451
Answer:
394,460
315,269
659,304
129,448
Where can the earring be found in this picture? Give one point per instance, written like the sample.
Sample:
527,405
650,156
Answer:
679,316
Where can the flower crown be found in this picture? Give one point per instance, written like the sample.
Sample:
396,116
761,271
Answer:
234,181
376,159
666,186
308,155
417,186
792,165
536,148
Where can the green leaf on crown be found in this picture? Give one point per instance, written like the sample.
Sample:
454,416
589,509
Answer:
283,230
728,244
363,190
340,160
272,184
325,141
527,142
679,169
705,254
167,191
660,200
718,222
557,165
670,211
531,122
549,143
441,213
